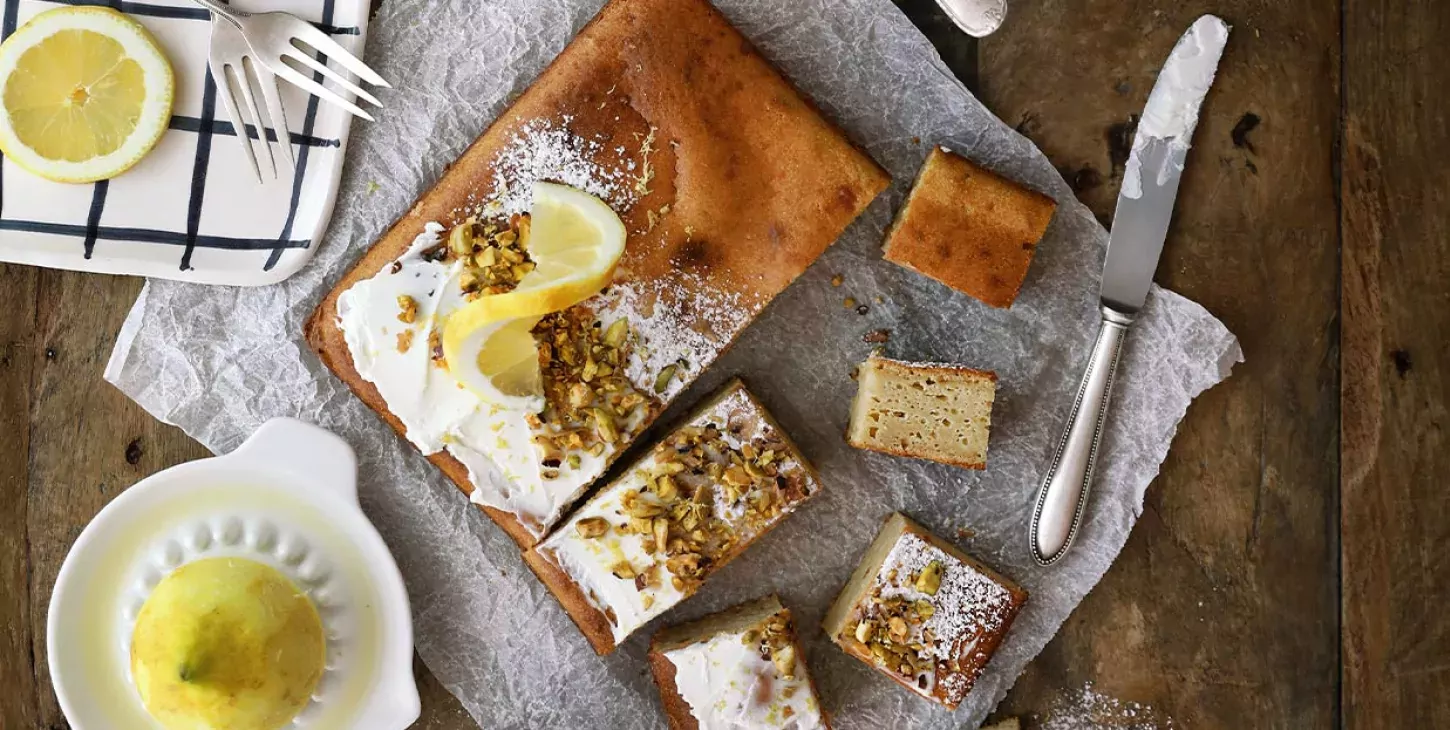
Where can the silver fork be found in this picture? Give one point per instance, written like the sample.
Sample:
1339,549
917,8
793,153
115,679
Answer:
236,70
277,38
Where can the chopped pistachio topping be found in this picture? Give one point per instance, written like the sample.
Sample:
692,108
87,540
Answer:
701,491
493,254
590,403
893,630
929,582
407,309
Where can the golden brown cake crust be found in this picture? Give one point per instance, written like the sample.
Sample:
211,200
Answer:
750,183
796,488
677,710
969,228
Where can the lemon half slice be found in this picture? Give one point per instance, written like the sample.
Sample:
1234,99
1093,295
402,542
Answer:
575,242
87,93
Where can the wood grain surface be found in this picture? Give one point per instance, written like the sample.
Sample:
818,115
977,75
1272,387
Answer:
1265,586
1395,516
1222,611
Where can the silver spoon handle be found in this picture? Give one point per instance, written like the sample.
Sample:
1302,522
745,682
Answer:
1063,496
977,18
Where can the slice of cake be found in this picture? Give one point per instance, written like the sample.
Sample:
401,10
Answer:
649,539
927,411
740,668
969,228
729,183
923,613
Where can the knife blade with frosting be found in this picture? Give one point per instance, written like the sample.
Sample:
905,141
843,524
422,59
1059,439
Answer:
1140,225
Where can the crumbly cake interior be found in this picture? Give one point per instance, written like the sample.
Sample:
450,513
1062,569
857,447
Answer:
649,539
922,612
926,411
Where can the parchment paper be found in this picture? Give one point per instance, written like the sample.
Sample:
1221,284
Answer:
219,362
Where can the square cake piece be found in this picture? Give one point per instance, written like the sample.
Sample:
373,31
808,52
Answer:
969,228
729,183
922,612
921,410
649,539
742,667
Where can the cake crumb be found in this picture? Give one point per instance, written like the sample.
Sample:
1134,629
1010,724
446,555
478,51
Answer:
838,280
876,337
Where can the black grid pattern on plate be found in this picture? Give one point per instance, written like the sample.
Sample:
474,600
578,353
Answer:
205,127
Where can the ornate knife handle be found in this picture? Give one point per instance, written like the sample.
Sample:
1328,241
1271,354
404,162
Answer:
1063,496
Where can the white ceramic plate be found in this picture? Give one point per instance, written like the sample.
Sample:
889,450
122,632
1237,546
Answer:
287,498
192,210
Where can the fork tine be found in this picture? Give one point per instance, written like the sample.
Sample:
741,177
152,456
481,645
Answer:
291,75
307,60
243,70
229,100
334,51
276,113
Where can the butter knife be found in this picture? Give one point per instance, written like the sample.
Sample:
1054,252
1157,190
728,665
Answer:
1145,208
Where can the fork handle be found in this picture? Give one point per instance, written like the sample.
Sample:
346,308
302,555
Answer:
220,9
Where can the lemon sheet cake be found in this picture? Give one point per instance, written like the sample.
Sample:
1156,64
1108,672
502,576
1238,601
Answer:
728,183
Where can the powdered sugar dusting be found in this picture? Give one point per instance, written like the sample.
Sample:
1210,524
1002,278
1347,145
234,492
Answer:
545,150
669,334
969,604
924,365
1088,709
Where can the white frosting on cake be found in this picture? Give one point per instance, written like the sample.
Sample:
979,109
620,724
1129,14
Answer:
730,686
496,445
678,323
590,561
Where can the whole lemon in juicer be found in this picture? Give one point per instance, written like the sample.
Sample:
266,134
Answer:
226,644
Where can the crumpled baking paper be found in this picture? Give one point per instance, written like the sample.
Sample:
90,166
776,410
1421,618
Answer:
219,362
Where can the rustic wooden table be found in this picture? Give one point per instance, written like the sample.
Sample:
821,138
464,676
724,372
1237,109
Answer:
1287,570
